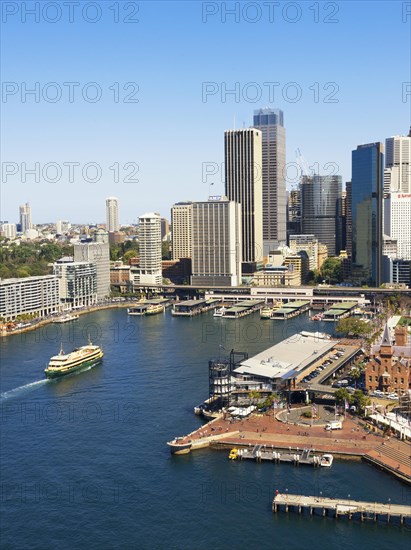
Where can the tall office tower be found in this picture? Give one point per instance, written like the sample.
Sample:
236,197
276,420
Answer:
149,238
25,217
112,223
216,243
397,176
98,253
271,124
293,212
367,194
181,214
243,184
320,210
397,222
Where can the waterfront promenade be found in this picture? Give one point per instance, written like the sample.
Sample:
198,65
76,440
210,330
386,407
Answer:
352,442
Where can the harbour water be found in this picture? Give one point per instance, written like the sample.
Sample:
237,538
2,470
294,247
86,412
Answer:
84,459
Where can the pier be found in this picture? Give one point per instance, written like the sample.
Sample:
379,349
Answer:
291,309
336,508
262,453
190,308
339,311
241,309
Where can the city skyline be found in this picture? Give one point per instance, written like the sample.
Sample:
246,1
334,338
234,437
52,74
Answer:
327,101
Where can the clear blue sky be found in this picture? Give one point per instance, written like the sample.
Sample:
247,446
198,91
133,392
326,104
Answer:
169,53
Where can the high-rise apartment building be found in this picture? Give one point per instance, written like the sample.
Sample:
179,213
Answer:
367,194
112,223
149,238
216,243
77,282
271,124
397,222
181,214
98,253
321,210
25,217
8,230
243,184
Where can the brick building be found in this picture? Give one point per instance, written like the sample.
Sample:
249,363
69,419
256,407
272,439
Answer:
390,363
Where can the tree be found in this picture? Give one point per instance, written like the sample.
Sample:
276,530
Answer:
341,396
128,255
331,270
360,401
350,326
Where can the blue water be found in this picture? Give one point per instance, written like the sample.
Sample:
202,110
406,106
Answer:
85,465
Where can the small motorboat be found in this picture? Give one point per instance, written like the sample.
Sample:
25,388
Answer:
326,460
233,454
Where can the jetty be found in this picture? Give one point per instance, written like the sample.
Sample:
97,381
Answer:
190,308
339,311
336,508
291,309
241,309
261,453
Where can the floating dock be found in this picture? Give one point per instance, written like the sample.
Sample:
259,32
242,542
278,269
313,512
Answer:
339,311
241,309
374,511
261,453
190,308
291,309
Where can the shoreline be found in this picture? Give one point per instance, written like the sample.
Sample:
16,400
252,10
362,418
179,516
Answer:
49,321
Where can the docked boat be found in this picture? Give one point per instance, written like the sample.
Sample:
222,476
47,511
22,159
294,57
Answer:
152,309
233,454
66,318
267,312
80,358
138,309
178,447
317,317
220,312
326,460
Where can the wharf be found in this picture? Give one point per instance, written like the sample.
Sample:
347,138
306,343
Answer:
241,309
336,508
261,453
339,311
291,309
190,308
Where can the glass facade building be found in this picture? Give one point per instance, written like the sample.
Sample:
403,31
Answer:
366,196
271,124
321,210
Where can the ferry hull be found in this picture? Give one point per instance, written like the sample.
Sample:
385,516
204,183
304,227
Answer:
69,370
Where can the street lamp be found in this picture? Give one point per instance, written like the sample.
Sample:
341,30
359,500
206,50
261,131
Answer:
349,502
321,495
286,494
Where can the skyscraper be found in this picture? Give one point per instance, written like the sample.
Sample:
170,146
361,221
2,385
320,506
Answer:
112,223
149,238
320,210
25,217
271,124
181,214
398,164
216,243
367,193
243,184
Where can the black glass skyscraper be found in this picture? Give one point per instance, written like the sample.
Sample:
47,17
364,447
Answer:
367,194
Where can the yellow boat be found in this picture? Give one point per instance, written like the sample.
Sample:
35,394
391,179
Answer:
233,454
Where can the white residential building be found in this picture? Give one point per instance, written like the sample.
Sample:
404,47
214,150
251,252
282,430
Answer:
98,253
112,223
397,222
29,295
25,218
77,282
149,238
8,230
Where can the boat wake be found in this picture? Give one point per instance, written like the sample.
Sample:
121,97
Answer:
21,390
